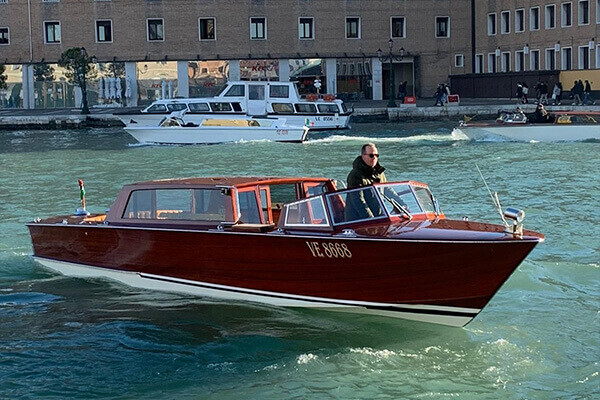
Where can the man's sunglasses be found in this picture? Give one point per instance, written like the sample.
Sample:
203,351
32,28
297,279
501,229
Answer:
373,155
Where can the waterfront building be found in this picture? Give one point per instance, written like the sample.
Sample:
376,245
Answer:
167,48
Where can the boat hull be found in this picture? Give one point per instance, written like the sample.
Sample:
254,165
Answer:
529,133
315,122
432,281
214,134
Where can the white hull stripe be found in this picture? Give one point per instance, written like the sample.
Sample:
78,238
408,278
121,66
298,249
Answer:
420,309
451,316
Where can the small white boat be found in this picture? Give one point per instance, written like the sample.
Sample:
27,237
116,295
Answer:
564,126
174,130
250,98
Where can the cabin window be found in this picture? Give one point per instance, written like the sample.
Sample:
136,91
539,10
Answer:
198,107
248,208
284,193
328,108
307,212
236,107
157,108
256,92
236,91
264,203
306,108
179,204
176,107
220,107
283,108
355,205
315,190
401,194
279,91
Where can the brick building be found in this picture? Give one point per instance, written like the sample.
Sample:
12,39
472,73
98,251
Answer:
195,44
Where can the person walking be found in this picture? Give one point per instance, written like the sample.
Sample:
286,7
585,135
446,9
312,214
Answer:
587,93
402,91
544,93
576,92
439,94
525,92
557,94
519,92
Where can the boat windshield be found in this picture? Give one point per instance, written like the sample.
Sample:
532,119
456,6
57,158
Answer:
399,199
354,205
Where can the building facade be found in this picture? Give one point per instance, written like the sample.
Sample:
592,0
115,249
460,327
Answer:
187,47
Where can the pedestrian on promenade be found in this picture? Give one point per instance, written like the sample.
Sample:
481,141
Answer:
446,93
519,92
576,91
587,93
525,92
402,91
544,92
439,93
557,94
538,90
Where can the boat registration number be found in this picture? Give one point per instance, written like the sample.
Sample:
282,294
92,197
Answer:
282,132
329,250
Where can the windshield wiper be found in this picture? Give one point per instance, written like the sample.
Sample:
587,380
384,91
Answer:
397,206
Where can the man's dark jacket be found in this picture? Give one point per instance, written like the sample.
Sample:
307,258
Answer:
363,175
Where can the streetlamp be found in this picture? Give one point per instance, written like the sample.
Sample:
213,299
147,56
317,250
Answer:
390,57
82,75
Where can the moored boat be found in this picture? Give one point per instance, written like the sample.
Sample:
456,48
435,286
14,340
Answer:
250,98
563,126
385,249
174,130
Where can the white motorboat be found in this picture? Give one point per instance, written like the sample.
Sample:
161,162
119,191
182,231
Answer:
250,98
174,130
564,126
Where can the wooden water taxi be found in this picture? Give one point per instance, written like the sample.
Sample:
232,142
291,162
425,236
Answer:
385,249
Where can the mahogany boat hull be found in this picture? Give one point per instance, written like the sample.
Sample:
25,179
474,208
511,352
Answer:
440,281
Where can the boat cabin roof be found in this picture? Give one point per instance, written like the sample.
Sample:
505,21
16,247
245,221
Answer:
237,181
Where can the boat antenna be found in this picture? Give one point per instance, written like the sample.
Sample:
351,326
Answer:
494,197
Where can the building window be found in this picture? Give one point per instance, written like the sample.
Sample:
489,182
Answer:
566,58
550,17
459,60
491,62
597,17
566,15
505,22
352,28
583,13
4,36
478,63
534,60
505,59
491,24
258,28
156,30
520,20
442,27
534,18
52,31
398,27
206,28
519,61
306,28
550,62
104,31
584,57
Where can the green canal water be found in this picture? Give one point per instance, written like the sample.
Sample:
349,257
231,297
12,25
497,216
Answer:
539,338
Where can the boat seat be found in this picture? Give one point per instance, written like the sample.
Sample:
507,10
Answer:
256,228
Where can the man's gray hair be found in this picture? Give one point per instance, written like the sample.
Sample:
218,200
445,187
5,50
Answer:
364,147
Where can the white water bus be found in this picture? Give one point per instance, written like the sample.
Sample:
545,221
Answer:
250,98
174,130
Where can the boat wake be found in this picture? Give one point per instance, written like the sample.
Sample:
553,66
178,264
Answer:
406,139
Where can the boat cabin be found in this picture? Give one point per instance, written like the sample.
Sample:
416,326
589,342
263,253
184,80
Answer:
253,98
262,204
